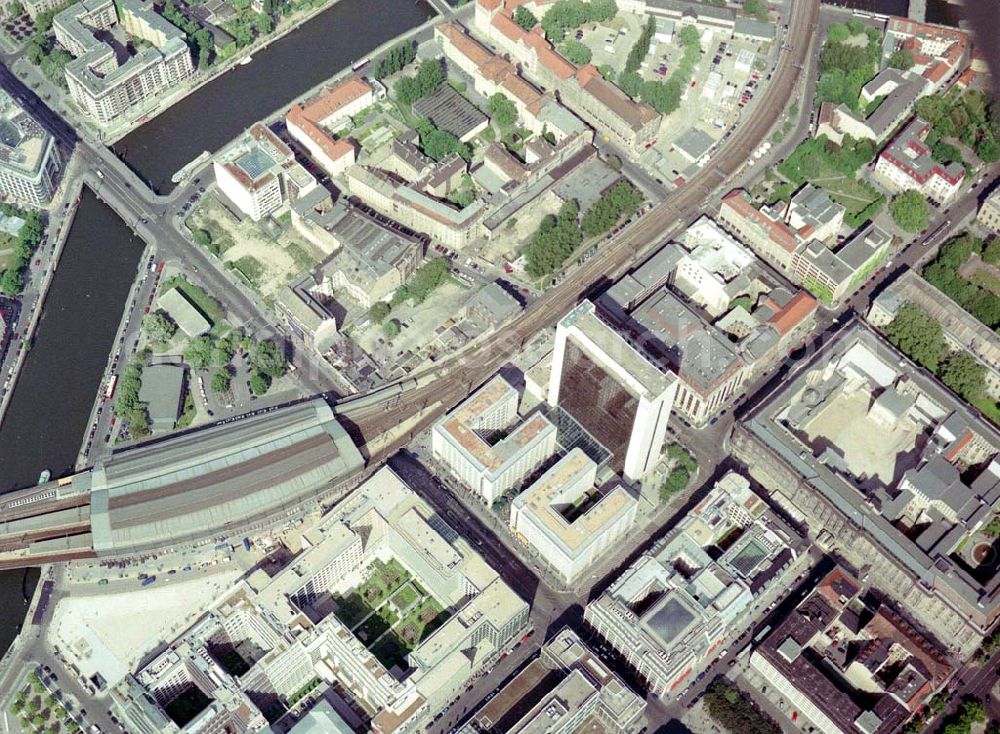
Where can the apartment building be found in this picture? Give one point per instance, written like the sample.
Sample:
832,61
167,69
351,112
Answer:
630,124
906,163
100,82
892,669
989,213
30,161
314,123
836,273
411,205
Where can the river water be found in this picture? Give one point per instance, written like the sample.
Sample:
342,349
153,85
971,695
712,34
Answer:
291,66
48,413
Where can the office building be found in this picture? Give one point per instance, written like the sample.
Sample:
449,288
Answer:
829,270
714,270
105,83
613,390
568,689
298,630
847,666
669,612
889,469
30,161
259,174
835,272
485,444
906,163
569,520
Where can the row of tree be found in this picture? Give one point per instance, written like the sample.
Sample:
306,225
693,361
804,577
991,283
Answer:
568,14
920,337
394,60
846,67
409,89
640,49
943,273
128,407
665,96
557,237
28,238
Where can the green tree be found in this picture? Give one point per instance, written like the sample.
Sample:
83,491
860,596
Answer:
502,110
268,358
965,375
429,75
756,8
159,327
15,9
11,282
640,49
379,311
199,352
391,328
260,383
909,211
423,282
394,59
202,237
918,335
901,58
622,200
438,144
221,381
577,52
837,33
525,18
222,352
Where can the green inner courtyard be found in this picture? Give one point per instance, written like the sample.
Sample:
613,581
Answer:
390,613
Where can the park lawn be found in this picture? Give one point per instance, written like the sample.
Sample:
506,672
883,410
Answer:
852,194
403,598
421,622
989,407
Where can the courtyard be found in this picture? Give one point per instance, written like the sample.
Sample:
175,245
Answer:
390,613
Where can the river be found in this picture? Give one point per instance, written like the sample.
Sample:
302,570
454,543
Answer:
47,416
223,108
16,588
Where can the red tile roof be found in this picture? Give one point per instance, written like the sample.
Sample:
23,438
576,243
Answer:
468,46
794,313
331,101
332,148
506,25
777,231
